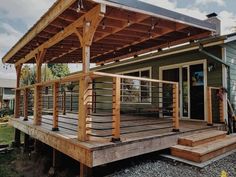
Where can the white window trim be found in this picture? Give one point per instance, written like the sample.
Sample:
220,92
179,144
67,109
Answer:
201,61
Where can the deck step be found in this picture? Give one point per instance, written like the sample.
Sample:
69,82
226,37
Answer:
206,151
201,138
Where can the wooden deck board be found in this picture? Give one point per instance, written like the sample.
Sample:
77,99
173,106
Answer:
93,152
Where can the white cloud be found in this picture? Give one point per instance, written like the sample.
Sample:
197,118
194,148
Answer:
25,10
228,19
9,36
206,2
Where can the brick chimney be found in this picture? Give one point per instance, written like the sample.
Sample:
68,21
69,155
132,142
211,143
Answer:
212,18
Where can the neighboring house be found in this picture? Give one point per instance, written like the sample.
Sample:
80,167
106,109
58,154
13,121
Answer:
7,93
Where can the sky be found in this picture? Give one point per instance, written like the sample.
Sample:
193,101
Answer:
17,16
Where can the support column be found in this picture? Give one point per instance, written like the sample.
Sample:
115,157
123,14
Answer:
85,171
90,25
38,89
83,85
17,105
17,142
26,143
17,93
55,106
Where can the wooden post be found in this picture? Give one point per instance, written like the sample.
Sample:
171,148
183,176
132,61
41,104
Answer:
221,110
71,100
176,107
83,84
116,110
64,103
55,106
17,93
85,171
37,105
26,142
209,106
26,91
17,142
38,89
86,38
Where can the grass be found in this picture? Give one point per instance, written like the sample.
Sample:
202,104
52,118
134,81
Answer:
6,134
6,169
6,137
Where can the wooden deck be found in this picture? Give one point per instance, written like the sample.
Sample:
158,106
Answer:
149,135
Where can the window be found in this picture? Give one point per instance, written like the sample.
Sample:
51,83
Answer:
136,91
9,91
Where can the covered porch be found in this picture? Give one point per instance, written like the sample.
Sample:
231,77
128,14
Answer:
92,122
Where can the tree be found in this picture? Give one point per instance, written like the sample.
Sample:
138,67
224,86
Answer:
59,70
47,74
28,75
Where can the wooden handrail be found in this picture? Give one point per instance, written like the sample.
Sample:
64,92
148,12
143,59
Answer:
101,74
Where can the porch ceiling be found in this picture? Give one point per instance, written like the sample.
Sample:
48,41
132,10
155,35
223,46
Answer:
127,29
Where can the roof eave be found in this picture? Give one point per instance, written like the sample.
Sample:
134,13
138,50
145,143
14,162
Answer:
145,8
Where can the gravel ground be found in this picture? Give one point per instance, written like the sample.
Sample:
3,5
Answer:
161,167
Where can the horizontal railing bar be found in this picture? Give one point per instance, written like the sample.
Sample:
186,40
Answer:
99,136
99,129
100,122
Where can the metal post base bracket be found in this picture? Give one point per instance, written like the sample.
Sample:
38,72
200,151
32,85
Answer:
115,140
55,129
175,130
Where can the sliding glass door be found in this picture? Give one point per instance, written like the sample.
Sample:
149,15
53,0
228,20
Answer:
191,81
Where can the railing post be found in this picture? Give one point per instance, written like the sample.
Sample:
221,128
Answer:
37,105
26,91
176,107
64,103
221,109
209,107
116,109
83,85
55,106
17,104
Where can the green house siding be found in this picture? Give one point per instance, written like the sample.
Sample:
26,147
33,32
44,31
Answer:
214,78
231,60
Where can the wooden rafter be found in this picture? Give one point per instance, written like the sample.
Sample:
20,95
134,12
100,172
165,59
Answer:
51,15
63,34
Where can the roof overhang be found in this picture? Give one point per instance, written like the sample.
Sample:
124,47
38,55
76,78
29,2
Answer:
128,28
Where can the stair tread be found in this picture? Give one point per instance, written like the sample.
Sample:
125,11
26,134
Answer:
202,136
207,147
